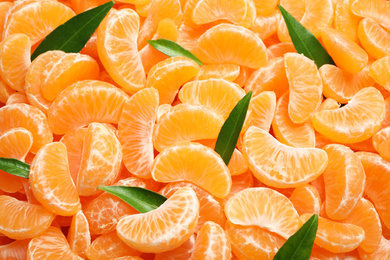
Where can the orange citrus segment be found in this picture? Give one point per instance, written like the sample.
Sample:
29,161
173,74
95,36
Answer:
79,237
16,143
261,110
17,98
278,50
14,250
306,199
381,143
374,9
233,44
182,252
186,122
117,48
56,192
164,228
382,252
4,7
266,26
374,39
227,71
345,20
5,91
21,220
195,163
360,118
265,208
380,71
74,107
279,165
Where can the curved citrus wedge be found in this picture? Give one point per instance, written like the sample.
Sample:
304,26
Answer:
4,7
135,130
182,252
261,110
17,98
345,20
341,85
382,252
79,237
14,250
15,60
231,43
210,209
346,53
51,244
265,208
164,228
37,19
5,91
360,118
364,215
30,118
380,71
336,237
186,122
289,133
374,39
344,181
21,220
278,50
381,143
51,182
117,47
195,163
227,71
211,243
100,161
218,95
305,87
169,75
253,242
374,9
266,26
279,165
74,107
377,172
306,199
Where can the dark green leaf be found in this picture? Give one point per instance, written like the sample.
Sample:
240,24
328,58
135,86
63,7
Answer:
231,129
141,199
15,167
300,245
304,41
172,49
74,33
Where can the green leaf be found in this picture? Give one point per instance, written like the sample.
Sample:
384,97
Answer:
141,199
172,49
304,41
231,129
15,167
300,245
74,33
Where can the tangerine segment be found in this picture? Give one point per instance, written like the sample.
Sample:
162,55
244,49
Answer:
169,75
164,228
227,71
15,60
135,129
365,216
109,246
346,53
100,161
278,50
16,98
196,163
344,181
289,133
186,122
14,250
345,20
382,252
342,85
233,44
381,143
51,182
37,19
380,71
218,95
4,7
374,9
266,26
279,165
305,87
69,69
377,172
212,243
79,237
336,237
265,208
74,107
51,244
261,110
5,91
182,252
253,242
374,39
306,199
22,220
30,118
117,48
15,143
360,118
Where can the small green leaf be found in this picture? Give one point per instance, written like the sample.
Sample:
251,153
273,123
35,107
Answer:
172,49
141,199
74,33
15,167
300,245
304,41
231,129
